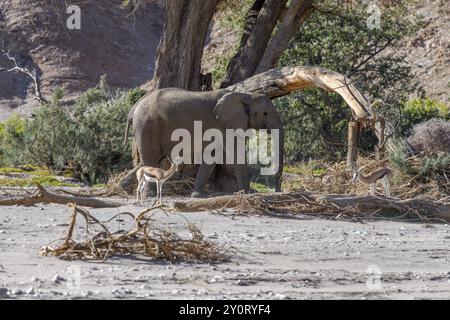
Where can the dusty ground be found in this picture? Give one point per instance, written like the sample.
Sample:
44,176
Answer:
277,258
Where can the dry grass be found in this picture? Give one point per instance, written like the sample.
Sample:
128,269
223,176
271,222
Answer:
434,186
291,204
145,239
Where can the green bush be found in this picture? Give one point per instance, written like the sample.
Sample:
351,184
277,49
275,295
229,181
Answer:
88,136
424,169
12,137
421,110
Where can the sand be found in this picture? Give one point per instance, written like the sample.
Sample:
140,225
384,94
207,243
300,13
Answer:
276,258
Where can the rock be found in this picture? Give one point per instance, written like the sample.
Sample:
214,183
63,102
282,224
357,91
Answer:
62,56
17,292
58,279
30,291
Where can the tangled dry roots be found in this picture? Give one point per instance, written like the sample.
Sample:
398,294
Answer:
295,203
144,239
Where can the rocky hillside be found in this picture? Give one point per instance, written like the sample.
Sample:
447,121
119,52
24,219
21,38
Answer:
112,41
122,45
428,51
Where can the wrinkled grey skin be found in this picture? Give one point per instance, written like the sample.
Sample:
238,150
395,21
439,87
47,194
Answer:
161,112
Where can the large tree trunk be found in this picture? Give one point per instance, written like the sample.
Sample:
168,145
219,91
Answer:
180,52
179,56
244,63
298,12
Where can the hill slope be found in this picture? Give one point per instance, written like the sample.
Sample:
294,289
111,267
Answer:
111,41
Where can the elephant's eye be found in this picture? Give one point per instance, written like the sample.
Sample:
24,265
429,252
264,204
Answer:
265,114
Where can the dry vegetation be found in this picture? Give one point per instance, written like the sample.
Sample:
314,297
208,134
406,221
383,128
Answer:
145,238
414,177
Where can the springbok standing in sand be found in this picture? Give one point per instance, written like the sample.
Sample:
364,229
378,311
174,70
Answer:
372,178
157,175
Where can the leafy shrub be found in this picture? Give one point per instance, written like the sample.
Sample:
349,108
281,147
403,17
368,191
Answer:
88,137
12,136
421,110
431,136
422,169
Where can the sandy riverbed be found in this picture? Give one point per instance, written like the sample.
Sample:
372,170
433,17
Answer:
277,258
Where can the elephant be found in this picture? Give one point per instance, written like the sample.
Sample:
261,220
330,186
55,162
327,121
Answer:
159,113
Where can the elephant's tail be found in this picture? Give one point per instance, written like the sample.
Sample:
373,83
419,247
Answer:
129,121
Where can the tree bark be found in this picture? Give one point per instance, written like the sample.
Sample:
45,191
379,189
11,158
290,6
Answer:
250,21
245,62
380,148
180,52
44,196
352,152
296,15
359,206
282,81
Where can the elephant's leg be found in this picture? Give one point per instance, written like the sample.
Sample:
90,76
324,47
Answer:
242,177
204,171
240,168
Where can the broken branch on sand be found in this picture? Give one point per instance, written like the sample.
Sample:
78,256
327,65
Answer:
44,196
327,206
144,238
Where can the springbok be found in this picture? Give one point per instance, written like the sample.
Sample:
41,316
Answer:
157,175
372,178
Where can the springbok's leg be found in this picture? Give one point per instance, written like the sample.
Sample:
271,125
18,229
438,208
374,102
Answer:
373,188
386,186
142,187
157,194
137,191
160,193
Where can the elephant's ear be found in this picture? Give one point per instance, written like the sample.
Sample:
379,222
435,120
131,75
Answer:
233,110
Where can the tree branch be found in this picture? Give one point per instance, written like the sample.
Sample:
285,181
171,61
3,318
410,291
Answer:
296,15
245,62
43,196
282,81
30,73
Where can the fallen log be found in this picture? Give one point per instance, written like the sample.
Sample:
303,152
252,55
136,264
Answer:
334,206
44,196
385,206
217,203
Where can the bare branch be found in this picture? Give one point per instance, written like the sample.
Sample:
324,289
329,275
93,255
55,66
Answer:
17,68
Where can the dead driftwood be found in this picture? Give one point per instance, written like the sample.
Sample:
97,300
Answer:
98,242
41,195
325,206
